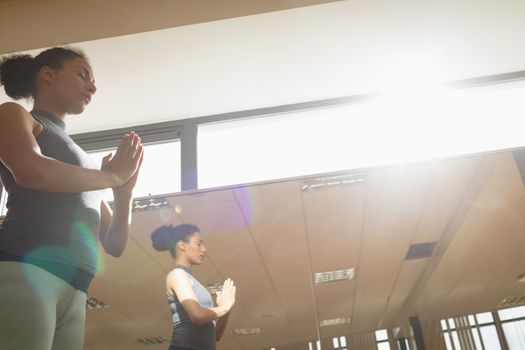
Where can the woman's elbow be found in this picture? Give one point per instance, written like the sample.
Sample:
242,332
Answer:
115,252
198,320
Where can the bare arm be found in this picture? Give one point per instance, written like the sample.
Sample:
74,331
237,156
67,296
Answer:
179,285
225,296
221,326
20,153
115,226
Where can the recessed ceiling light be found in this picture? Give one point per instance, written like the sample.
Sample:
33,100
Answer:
332,276
246,331
334,322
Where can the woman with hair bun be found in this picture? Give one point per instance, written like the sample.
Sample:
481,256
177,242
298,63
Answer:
55,208
197,323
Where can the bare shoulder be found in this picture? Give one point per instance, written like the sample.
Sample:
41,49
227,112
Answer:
12,110
177,274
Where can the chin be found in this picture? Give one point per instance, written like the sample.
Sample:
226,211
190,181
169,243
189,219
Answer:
76,109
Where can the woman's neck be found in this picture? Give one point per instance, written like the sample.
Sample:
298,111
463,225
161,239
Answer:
50,108
182,261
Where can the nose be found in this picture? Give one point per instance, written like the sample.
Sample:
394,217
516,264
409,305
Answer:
204,248
92,88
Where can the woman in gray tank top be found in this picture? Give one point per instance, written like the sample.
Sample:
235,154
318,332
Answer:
197,323
56,214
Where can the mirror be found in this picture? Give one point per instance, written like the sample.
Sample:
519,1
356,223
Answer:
436,239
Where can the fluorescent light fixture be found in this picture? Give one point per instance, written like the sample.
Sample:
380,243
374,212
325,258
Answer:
214,287
94,303
150,204
246,331
336,181
334,322
332,276
513,301
152,340
521,278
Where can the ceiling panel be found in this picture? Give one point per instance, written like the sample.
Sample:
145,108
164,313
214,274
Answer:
210,217
274,208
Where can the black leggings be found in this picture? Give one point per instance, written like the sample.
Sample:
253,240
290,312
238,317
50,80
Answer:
175,347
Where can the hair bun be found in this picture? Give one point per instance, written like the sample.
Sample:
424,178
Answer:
162,238
17,75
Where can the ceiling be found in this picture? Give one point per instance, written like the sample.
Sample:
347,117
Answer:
270,238
165,60
56,22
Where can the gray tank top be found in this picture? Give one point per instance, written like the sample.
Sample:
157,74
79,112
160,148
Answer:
186,334
49,226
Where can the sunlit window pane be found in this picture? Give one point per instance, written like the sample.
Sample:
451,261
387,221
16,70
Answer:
335,343
451,323
471,320
455,339
477,340
381,335
512,313
444,325
485,317
490,337
515,334
160,172
416,126
3,201
343,341
383,346
447,341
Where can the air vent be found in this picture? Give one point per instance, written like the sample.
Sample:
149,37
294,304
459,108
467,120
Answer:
337,181
94,303
334,322
152,340
333,276
246,331
514,301
214,287
420,250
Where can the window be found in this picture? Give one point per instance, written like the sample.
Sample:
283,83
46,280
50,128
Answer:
339,343
382,339
160,172
480,327
513,324
314,345
3,201
402,343
370,133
